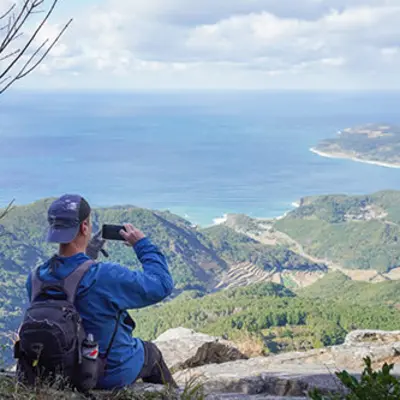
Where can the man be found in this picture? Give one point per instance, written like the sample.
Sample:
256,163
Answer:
108,290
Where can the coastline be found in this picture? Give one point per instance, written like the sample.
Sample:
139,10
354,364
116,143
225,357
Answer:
225,217
346,157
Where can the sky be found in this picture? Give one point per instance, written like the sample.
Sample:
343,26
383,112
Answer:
222,44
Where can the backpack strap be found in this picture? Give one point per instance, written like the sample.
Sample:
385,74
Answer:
72,281
69,285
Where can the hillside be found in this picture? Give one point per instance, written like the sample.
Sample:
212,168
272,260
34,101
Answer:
355,232
358,235
261,264
373,143
198,259
336,286
273,318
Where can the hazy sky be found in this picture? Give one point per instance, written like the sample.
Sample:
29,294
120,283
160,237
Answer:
174,44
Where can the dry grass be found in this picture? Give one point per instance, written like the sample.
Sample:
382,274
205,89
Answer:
250,345
11,390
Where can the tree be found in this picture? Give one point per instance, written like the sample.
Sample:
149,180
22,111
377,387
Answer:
21,53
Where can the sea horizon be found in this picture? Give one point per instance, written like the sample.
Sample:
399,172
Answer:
200,156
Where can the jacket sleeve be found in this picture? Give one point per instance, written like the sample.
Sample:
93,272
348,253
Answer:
136,289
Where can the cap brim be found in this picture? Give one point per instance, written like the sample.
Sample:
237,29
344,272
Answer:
62,235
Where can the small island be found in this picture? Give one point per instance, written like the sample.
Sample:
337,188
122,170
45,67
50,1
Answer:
377,144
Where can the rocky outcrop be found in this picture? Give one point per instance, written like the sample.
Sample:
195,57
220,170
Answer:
262,376
295,374
225,373
183,348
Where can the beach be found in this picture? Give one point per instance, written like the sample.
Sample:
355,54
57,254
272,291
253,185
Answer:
347,157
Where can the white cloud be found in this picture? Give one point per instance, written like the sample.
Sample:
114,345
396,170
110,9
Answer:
230,43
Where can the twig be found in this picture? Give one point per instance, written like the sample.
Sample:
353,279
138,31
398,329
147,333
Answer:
8,12
7,210
14,26
13,29
10,55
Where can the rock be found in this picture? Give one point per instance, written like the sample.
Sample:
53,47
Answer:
262,375
183,348
233,396
225,373
361,337
294,374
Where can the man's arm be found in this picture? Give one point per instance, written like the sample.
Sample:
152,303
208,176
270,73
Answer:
136,289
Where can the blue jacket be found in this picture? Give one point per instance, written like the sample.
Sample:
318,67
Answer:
106,290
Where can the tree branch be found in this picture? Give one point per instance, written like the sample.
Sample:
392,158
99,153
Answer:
14,31
7,210
2,58
8,12
14,28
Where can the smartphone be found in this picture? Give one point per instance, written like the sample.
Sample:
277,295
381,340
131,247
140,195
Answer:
111,232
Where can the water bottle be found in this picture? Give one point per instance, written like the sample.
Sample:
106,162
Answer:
90,349
89,369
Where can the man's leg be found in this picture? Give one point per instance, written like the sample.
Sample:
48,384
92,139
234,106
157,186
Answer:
155,370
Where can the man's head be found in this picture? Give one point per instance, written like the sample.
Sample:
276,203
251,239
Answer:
69,220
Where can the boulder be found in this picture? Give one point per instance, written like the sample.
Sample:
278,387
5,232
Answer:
262,375
362,337
233,396
295,373
183,348
225,373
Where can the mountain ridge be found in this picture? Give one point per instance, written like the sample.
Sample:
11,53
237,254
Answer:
348,234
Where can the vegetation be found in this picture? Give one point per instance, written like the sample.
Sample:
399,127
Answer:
11,390
356,232
237,248
373,385
197,258
370,142
272,314
336,286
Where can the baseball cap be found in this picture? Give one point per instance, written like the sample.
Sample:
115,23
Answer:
65,216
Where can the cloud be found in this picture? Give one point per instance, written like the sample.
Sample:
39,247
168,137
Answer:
255,43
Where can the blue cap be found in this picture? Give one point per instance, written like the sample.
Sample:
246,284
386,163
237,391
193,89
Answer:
65,216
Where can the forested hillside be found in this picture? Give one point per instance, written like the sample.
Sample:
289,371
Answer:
358,232
318,316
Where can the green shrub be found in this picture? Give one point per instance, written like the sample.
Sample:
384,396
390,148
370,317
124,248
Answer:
373,385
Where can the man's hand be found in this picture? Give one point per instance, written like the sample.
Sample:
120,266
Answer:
131,234
95,246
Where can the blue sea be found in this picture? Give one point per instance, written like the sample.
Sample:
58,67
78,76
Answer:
198,154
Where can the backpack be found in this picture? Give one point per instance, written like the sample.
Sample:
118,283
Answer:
53,347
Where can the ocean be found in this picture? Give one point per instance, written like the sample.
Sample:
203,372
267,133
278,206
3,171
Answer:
200,155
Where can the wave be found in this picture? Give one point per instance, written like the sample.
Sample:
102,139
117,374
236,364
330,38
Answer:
344,156
220,220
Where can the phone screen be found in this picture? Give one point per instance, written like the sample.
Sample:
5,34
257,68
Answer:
111,232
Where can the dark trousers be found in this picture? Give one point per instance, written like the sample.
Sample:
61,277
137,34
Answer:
155,369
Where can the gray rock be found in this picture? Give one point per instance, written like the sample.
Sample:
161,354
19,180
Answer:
294,374
233,396
183,348
262,376
362,337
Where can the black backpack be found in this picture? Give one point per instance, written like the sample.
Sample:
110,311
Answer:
53,347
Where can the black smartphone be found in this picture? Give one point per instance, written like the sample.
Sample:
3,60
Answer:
111,232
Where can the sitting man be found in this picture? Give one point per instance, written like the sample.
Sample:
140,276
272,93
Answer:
107,291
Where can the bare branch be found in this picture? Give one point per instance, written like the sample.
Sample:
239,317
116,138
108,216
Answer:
13,28
2,82
7,210
10,55
46,52
8,12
